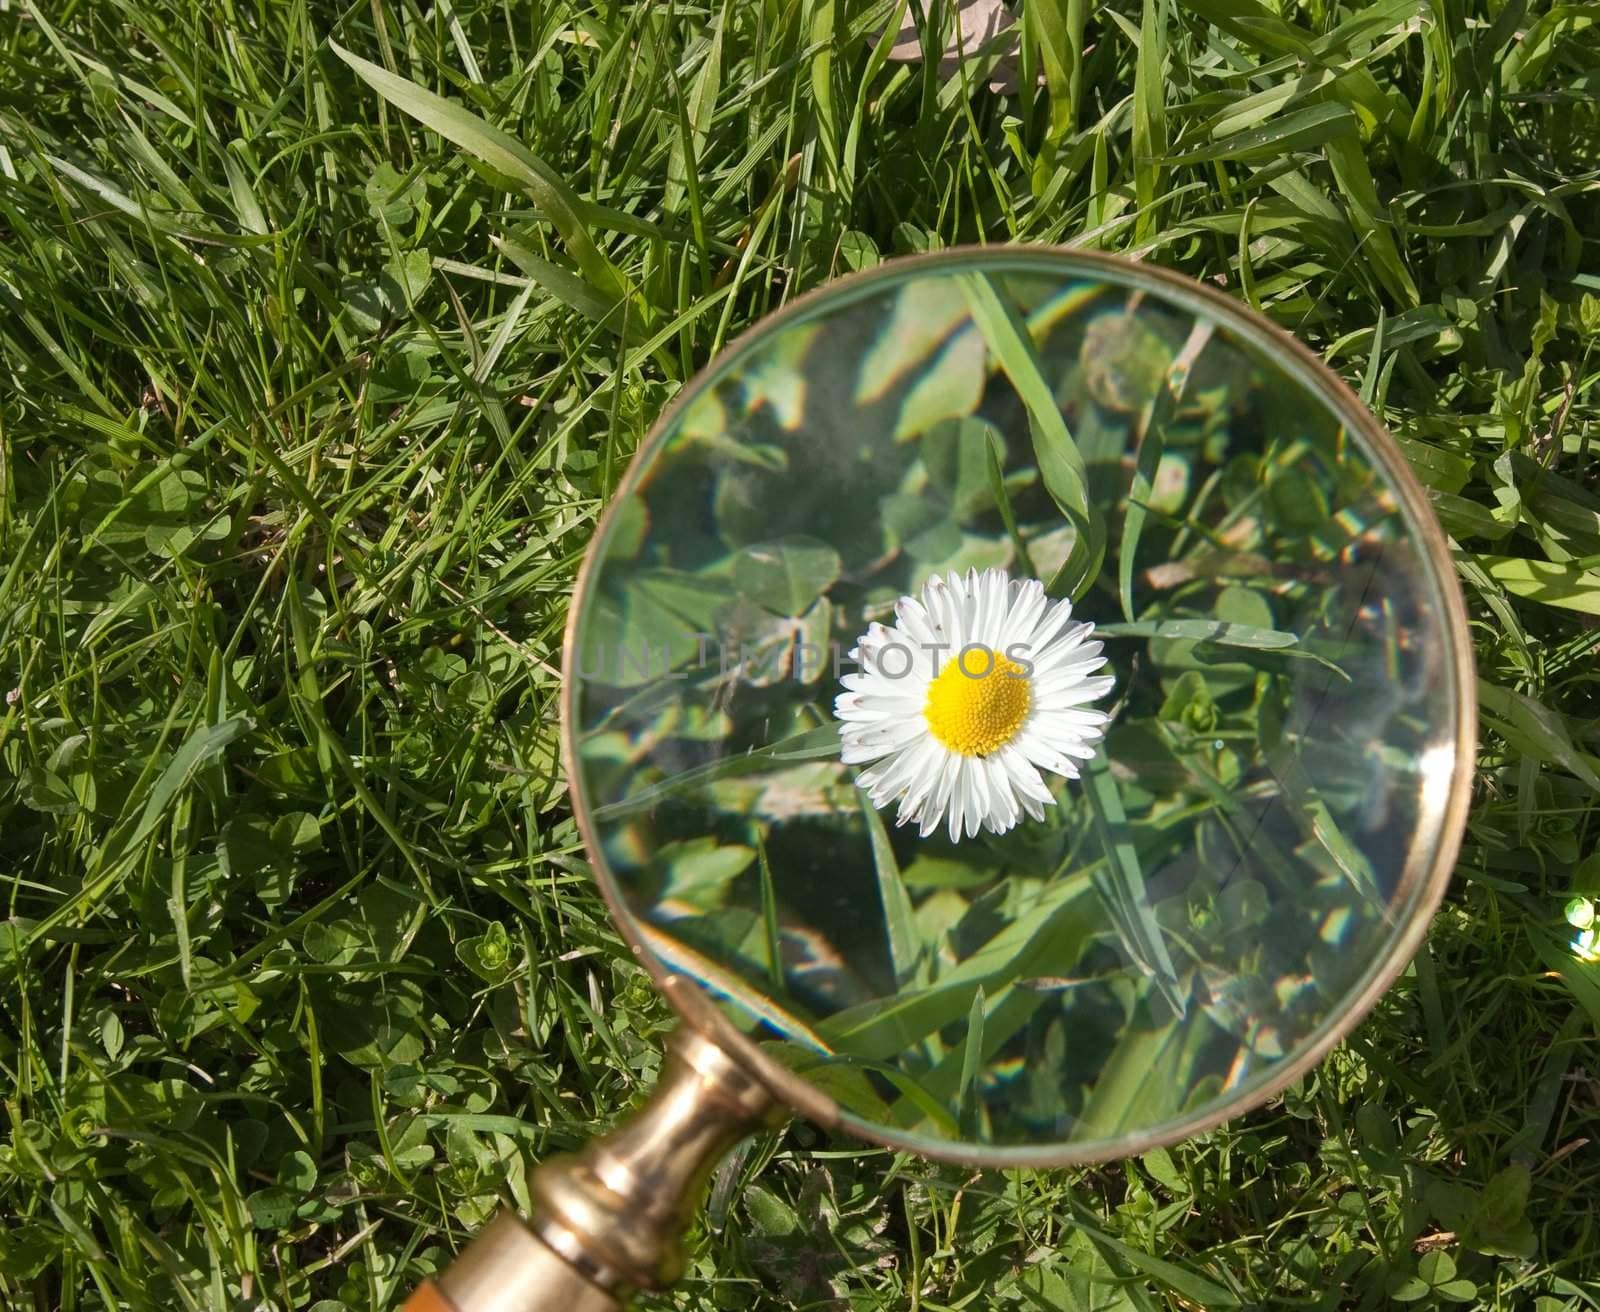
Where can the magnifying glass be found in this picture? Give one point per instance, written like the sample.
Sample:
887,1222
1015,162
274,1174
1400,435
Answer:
1018,705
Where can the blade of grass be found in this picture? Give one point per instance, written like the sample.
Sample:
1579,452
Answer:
769,919
1057,28
1048,929
1120,883
507,157
1149,117
969,1109
1002,501
906,954
1061,464
811,745
1216,631
1147,459
1569,587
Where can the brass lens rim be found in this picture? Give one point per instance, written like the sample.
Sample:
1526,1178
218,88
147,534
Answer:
1428,866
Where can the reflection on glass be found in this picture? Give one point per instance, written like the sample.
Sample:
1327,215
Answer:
1235,861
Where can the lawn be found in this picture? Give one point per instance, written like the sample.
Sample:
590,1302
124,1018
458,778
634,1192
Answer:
308,413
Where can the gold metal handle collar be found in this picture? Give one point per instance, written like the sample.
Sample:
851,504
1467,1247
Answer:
610,1217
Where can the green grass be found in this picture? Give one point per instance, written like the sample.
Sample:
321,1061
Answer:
305,422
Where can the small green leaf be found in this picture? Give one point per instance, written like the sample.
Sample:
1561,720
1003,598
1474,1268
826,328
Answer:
698,870
922,526
956,454
272,1209
487,956
332,942
27,1248
1158,1162
927,357
1436,1266
1125,363
771,1215
1499,1225
44,790
372,304
298,832
1297,502
943,872
787,575
1405,1288
111,1034
298,1172
249,847
1376,1127
390,196
1191,1284
1189,705
858,251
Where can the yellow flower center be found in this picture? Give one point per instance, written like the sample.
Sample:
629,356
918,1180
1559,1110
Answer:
977,703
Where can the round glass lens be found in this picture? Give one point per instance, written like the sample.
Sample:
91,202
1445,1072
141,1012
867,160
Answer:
1025,692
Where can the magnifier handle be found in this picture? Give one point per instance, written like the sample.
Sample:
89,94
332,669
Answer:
507,1269
610,1218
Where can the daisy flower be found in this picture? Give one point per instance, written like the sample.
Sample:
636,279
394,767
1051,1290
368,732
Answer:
966,698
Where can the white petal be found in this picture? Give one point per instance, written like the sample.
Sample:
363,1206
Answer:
864,681
893,776
869,701
1062,654
869,708
973,810
930,761
1068,739
958,799
1055,618
967,605
891,735
930,810
1025,780
978,786
1054,722
1081,750
916,623
1024,614
861,753
1087,691
1044,754
1066,653
994,598
949,774
861,717
1004,811
944,603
